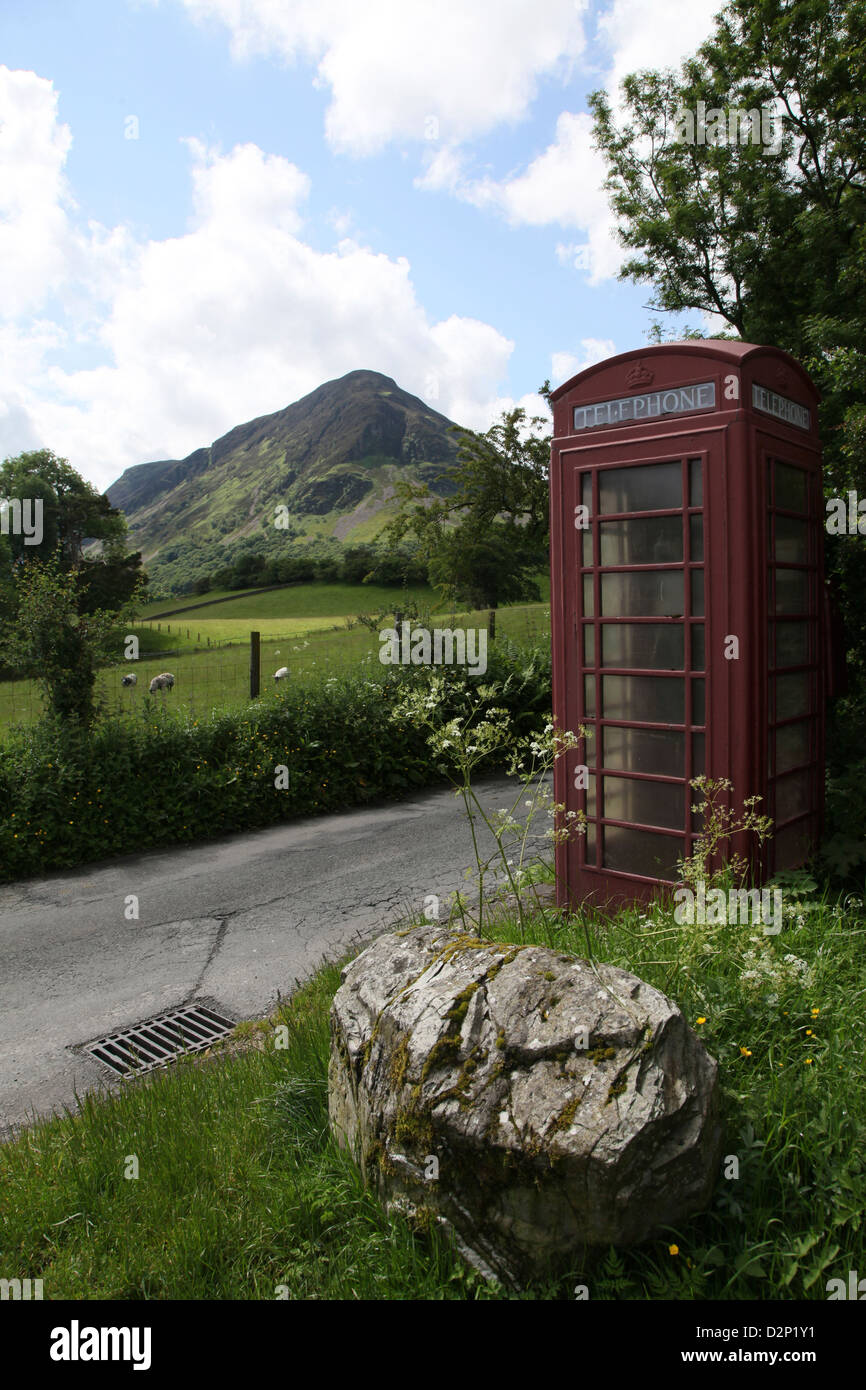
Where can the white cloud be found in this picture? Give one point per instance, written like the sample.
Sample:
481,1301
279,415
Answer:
564,365
247,187
393,68
640,36
563,185
33,193
202,331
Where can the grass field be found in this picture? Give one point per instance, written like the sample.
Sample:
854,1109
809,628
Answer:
241,1189
217,678
299,608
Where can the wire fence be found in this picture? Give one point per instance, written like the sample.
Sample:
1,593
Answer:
217,675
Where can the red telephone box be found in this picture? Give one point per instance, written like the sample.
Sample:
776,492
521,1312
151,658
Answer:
687,606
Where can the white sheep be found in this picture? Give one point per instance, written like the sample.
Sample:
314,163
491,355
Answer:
164,681
131,679
281,674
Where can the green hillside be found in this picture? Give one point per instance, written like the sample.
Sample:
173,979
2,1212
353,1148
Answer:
332,460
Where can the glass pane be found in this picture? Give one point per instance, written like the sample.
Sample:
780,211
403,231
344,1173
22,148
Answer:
590,843
588,644
792,591
645,699
792,695
792,796
770,772
642,593
587,748
590,798
790,847
642,852
697,581
586,491
649,803
699,658
792,745
696,542
588,603
586,546
696,483
646,487
660,751
792,644
699,712
790,487
792,541
589,695
698,756
656,646
649,540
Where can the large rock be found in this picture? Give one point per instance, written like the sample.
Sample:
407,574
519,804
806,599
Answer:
529,1101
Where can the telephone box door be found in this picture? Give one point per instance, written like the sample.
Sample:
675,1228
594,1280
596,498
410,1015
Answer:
637,682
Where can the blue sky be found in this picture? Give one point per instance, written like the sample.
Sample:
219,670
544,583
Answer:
208,207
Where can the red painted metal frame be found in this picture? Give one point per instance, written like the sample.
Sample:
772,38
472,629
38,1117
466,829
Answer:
734,439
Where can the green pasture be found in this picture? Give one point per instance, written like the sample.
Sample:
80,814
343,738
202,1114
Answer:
217,678
297,608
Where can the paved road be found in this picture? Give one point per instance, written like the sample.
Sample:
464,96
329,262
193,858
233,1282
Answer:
233,922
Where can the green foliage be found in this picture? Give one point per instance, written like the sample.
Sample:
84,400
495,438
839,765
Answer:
70,795
772,241
843,849
485,542
484,567
265,563
73,510
54,641
465,734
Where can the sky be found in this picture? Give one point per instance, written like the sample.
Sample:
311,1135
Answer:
210,207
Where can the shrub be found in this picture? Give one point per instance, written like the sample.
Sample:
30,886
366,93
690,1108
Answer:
162,776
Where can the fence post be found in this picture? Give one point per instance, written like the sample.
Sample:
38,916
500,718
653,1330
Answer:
255,664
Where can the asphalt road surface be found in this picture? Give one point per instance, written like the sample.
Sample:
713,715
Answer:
233,923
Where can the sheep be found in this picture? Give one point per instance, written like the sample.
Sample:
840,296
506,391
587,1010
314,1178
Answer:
164,681
281,674
129,680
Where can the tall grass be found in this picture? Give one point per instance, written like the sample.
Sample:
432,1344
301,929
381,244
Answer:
240,1193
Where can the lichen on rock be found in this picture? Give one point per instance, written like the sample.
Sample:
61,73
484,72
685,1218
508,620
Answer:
560,1104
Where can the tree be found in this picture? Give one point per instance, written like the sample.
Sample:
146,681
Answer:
109,582
771,239
482,568
484,543
57,644
73,510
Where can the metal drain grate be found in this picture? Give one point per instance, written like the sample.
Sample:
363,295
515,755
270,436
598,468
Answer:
159,1040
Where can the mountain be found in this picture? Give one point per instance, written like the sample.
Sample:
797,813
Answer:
332,458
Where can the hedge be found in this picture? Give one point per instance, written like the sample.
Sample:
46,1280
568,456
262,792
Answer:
164,778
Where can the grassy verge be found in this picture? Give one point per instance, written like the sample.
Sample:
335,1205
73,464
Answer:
241,1189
